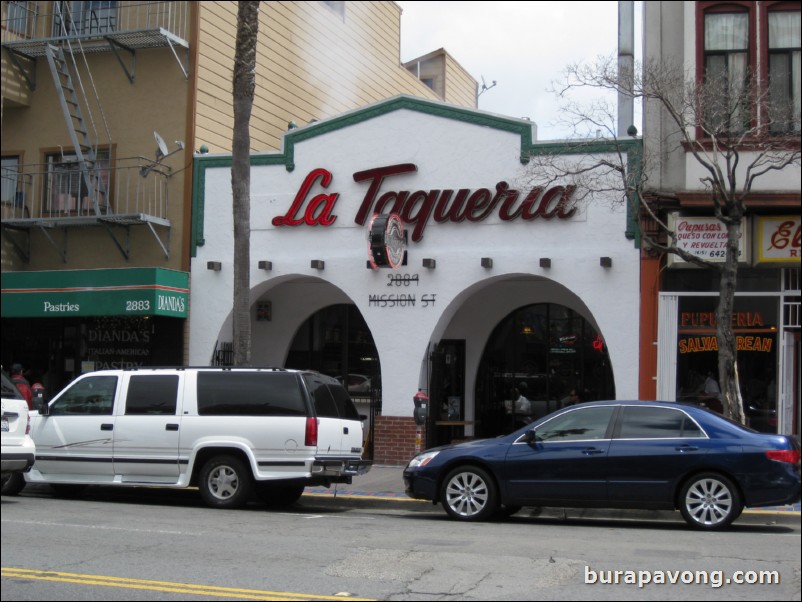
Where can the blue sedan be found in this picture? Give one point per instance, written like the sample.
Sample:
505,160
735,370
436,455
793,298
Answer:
614,454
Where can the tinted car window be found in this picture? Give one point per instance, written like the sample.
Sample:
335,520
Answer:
330,398
586,423
93,395
657,423
249,394
322,398
345,406
152,394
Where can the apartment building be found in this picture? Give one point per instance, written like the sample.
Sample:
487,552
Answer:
753,49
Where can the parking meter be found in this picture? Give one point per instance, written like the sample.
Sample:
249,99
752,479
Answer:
39,396
421,401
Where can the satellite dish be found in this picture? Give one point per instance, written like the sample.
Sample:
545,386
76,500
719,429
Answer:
161,153
161,146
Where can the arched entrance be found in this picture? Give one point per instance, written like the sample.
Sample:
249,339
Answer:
542,351
337,342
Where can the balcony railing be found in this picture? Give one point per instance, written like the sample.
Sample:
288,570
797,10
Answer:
57,194
26,30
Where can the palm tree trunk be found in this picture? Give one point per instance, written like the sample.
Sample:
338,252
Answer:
244,86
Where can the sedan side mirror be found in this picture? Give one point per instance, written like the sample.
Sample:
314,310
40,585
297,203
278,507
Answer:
530,436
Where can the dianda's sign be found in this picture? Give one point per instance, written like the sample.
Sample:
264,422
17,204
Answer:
315,203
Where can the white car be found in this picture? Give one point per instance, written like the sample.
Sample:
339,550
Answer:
18,449
230,432
357,384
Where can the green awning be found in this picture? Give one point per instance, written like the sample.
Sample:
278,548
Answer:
112,292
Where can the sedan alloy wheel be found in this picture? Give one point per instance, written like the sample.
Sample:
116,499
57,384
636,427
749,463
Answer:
710,501
469,493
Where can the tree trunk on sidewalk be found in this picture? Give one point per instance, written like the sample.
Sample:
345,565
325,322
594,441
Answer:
244,85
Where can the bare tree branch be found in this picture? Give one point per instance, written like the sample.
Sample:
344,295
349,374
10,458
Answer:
731,129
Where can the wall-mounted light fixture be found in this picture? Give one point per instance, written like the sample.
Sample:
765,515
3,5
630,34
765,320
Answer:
214,266
265,265
429,263
545,262
487,262
317,264
606,262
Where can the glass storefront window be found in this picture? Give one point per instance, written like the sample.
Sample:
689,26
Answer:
543,352
755,323
336,341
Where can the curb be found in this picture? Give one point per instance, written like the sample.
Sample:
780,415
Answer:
393,496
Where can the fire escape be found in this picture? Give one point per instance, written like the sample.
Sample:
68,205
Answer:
87,190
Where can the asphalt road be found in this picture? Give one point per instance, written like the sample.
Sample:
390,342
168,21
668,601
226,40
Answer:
144,544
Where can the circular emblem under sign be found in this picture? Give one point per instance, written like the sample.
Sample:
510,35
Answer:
387,241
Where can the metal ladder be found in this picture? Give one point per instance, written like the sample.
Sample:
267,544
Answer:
79,136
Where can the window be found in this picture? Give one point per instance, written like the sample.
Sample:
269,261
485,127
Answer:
85,18
657,423
65,188
21,16
153,394
93,395
726,75
249,394
579,425
330,400
784,71
749,53
10,180
321,398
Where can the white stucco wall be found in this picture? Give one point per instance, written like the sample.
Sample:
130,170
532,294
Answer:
469,300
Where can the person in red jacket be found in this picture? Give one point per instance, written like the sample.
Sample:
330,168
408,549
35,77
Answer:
18,378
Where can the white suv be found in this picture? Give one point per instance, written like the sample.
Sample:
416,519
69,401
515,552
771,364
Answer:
18,449
230,432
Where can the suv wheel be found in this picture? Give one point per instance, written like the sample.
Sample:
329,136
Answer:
225,482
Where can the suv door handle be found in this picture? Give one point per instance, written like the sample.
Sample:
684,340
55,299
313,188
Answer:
345,430
107,427
171,427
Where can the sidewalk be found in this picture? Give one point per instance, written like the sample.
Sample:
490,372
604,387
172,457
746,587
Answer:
387,483
382,482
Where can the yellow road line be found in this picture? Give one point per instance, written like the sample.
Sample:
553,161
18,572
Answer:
166,586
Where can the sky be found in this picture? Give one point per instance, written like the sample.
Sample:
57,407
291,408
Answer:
522,46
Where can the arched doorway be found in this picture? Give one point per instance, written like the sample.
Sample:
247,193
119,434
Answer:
337,342
543,351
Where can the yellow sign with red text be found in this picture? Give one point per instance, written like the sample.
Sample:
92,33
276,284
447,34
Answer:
777,239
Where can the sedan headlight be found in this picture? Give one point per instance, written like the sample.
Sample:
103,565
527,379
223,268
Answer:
422,460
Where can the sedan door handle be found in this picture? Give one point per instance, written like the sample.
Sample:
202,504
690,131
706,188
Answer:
107,427
686,448
590,451
171,427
